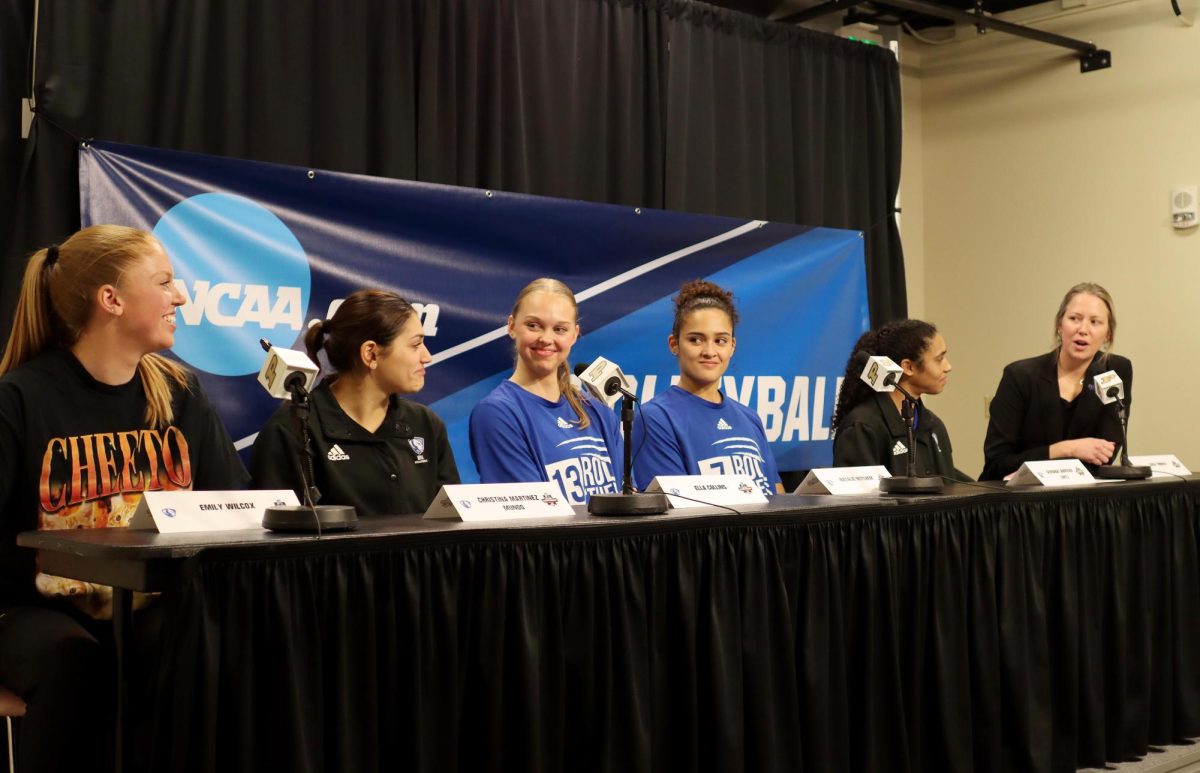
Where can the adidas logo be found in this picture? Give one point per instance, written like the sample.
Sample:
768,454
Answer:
722,424
563,423
899,448
336,454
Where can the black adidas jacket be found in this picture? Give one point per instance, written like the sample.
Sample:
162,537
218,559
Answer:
873,433
395,470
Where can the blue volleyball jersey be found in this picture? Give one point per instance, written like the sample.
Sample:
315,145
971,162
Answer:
517,436
678,433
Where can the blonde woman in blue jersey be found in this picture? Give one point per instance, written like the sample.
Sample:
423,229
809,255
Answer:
537,426
693,428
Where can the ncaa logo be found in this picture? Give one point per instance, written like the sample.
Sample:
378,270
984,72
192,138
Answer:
243,275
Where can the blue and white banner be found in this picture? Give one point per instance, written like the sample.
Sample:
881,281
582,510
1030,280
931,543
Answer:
261,250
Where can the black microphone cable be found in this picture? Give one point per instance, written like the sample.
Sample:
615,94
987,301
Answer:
701,502
980,484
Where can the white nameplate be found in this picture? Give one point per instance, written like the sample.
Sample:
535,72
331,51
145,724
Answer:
844,481
710,490
1161,466
180,511
499,502
1052,472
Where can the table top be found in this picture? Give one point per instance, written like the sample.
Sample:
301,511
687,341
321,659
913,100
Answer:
148,545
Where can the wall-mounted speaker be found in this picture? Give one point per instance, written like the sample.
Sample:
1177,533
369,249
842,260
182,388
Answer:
1184,207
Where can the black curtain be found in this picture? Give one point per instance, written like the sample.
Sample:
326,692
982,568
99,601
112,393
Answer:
650,103
786,124
15,21
1034,632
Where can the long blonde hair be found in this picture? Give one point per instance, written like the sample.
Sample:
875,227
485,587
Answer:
56,301
548,285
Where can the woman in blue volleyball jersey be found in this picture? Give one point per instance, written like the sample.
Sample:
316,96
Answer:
693,428
537,426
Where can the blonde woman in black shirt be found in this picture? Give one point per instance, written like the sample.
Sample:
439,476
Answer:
90,417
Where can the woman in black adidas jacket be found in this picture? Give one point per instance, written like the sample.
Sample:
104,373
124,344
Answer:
868,429
378,452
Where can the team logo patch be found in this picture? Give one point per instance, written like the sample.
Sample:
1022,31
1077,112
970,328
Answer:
336,454
563,423
417,444
899,448
722,424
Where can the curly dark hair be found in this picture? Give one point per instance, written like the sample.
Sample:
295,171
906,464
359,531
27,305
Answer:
701,294
903,339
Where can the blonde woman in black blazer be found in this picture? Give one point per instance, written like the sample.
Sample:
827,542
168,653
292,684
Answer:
1046,407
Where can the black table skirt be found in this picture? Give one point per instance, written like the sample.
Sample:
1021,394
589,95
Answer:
1033,632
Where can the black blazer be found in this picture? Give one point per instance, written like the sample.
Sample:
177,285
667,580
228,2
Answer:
1027,414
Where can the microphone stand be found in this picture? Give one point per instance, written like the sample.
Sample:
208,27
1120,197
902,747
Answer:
910,483
1124,470
628,502
309,517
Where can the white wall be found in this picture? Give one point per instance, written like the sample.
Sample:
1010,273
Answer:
912,184
1029,177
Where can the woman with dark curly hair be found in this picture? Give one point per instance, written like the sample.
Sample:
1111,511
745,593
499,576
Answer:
867,425
693,428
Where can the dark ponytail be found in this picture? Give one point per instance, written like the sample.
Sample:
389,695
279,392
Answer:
365,315
904,339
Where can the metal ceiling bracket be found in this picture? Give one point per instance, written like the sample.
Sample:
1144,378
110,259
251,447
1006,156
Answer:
817,11
1090,57
1097,59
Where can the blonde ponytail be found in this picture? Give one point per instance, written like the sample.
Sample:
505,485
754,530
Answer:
159,375
33,323
574,398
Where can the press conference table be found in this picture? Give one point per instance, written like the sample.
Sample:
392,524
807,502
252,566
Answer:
980,630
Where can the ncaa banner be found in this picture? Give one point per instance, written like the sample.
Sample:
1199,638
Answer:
262,250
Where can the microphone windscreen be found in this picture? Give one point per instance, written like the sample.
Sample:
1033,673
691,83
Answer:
580,367
1109,387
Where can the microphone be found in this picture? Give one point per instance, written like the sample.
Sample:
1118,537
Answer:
883,375
604,379
1111,389
286,374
